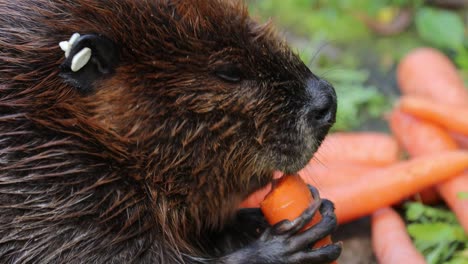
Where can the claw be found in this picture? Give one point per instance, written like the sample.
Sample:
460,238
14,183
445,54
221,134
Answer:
315,192
327,208
322,229
306,216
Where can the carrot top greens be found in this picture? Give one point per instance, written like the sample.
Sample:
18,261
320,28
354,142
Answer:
437,234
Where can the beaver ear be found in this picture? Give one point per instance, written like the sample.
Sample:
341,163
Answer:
88,58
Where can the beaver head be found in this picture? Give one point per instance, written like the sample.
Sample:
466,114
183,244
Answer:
200,103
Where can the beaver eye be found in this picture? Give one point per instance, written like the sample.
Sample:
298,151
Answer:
229,72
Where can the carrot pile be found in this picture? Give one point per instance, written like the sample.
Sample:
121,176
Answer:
439,116
390,185
364,173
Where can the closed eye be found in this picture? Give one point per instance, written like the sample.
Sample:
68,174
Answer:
229,72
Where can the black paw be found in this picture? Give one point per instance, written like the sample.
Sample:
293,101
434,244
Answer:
283,243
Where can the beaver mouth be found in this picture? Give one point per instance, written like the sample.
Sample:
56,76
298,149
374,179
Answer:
293,146
293,154
293,150
290,157
300,164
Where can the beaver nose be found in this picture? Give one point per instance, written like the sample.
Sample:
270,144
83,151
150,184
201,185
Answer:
322,102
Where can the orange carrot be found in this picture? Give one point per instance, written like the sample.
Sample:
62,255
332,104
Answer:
444,86
255,198
390,240
419,137
461,140
319,175
429,73
453,118
288,200
387,186
450,191
371,148
322,175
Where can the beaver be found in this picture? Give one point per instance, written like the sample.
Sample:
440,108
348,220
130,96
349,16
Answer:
138,144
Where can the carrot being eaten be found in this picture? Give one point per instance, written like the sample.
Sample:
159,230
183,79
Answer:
255,198
390,241
387,186
341,157
319,175
289,198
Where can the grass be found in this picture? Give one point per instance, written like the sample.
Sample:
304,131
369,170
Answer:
334,41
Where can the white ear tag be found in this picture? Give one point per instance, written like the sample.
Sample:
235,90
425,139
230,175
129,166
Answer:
66,46
63,45
80,59
73,38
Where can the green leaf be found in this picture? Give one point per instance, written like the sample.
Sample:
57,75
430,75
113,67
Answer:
462,195
414,211
444,29
461,59
458,260
435,255
441,253
436,232
461,257
346,75
353,101
424,214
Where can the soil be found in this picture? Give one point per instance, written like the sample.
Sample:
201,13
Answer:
357,248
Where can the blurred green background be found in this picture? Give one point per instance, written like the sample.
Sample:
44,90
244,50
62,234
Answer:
356,45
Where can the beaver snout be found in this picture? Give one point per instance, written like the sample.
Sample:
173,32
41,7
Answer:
314,117
320,109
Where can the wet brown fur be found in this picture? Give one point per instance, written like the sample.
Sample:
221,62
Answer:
139,168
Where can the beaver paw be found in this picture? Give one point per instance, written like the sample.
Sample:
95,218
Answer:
283,243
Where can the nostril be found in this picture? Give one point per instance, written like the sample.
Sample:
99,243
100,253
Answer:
323,109
322,104
321,114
